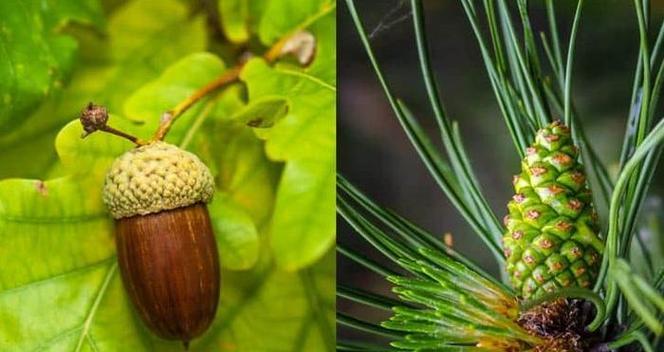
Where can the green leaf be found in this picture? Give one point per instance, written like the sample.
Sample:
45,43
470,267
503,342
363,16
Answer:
30,157
309,128
262,112
267,310
284,16
234,16
305,139
40,219
245,173
136,50
237,237
58,13
63,224
35,59
60,288
140,47
228,102
303,229
176,83
95,153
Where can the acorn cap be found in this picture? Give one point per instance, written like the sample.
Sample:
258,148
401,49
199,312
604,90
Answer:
156,177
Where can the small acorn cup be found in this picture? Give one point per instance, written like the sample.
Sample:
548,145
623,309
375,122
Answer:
167,253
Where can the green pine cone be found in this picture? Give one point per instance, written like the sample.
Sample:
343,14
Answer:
552,239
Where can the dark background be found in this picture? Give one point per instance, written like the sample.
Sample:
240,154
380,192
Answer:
375,154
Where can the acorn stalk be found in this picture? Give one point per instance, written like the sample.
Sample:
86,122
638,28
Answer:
165,244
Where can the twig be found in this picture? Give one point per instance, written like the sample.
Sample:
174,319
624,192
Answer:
95,118
290,44
299,43
167,119
139,142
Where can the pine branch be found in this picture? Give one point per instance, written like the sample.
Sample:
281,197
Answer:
415,236
363,261
425,149
445,301
360,347
629,338
367,298
642,297
654,139
371,328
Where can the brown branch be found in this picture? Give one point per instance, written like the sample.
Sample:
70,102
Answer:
287,45
167,119
139,142
95,118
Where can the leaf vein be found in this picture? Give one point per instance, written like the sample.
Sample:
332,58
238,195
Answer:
57,337
95,305
314,298
54,220
92,343
75,271
305,75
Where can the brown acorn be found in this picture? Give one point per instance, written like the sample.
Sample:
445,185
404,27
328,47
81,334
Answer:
166,247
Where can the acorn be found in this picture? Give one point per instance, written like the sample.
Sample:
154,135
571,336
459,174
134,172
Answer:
166,248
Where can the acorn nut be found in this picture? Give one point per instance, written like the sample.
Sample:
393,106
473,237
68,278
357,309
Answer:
166,247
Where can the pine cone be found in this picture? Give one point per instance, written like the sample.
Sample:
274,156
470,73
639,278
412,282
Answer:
552,239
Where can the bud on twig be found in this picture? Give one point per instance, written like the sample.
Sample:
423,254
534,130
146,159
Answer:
302,45
93,118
